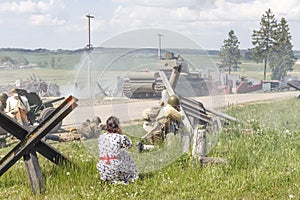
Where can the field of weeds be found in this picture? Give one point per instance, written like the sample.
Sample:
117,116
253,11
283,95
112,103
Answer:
262,154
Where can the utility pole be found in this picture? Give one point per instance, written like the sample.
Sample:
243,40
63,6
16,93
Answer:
89,47
159,46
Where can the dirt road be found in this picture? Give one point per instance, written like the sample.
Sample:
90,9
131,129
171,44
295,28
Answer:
132,111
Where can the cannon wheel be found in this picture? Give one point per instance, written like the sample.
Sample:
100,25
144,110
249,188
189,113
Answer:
45,113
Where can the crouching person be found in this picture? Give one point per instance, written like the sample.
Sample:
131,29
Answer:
115,165
164,126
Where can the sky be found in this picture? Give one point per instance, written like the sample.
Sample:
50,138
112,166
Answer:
62,24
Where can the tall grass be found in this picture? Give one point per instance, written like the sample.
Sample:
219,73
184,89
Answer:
262,154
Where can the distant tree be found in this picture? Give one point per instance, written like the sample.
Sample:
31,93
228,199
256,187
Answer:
230,52
59,62
52,62
45,64
282,58
263,39
22,60
39,64
7,59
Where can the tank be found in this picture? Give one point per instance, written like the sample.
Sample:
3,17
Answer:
143,84
148,84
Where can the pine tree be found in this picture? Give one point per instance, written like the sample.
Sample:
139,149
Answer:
230,52
263,39
282,58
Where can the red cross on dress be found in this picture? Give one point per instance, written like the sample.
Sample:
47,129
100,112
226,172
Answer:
107,158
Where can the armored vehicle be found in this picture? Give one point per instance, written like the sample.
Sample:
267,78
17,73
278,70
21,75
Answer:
148,84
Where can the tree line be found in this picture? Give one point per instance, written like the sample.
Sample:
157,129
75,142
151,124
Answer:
21,61
272,46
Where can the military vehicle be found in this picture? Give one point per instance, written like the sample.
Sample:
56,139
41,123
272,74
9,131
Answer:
148,84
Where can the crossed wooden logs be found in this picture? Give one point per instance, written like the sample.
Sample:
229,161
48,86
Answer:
30,142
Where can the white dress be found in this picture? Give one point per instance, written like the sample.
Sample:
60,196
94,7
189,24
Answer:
115,164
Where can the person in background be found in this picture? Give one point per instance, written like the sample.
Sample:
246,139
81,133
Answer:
3,98
115,164
3,133
17,107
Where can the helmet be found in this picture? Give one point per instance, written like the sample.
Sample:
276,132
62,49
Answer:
3,96
97,120
174,100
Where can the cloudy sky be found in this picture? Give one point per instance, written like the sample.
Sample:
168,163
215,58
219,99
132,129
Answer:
62,24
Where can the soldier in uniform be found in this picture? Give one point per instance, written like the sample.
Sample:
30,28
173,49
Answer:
3,133
87,130
91,129
166,123
3,98
17,107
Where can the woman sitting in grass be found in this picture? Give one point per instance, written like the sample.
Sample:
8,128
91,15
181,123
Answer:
115,164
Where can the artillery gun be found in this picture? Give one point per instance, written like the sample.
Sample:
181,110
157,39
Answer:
148,84
39,110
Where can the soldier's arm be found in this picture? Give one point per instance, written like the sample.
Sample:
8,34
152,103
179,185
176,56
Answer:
7,108
176,115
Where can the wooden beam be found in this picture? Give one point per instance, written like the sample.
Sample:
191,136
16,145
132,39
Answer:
34,173
186,120
34,137
20,132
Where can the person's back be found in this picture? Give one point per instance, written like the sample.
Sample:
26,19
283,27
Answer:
115,164
17,107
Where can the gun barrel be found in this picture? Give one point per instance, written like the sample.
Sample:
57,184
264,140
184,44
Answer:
54,100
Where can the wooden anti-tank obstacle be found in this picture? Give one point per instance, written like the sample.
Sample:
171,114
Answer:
30,142
196,115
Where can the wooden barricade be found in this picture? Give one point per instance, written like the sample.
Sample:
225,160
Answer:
31,142
195,115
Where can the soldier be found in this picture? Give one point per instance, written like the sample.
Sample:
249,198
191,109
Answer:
3,133
17,107
3,98
90,129
167,122
87,130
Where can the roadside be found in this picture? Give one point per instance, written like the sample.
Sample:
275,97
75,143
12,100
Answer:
131,111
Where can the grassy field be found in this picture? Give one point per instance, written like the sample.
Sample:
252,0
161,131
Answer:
59,76
262,154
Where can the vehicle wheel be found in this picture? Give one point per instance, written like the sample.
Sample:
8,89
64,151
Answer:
45,113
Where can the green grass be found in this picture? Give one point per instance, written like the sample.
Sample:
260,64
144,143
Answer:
67,61
263,156
59,76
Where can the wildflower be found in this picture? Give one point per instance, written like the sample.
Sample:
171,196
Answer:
291,196
287,132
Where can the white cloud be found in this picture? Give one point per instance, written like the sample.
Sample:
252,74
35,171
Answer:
207,21
152,3
46,20
36,12
200,18
29,6
211,13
